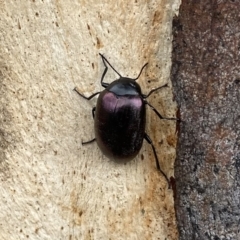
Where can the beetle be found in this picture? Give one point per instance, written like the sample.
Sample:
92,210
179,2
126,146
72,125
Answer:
120,117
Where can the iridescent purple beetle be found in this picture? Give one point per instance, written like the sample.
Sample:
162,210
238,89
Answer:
120,117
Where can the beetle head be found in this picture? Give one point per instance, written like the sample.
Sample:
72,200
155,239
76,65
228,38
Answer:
125,87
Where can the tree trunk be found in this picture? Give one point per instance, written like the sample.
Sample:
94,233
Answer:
206,80
52,187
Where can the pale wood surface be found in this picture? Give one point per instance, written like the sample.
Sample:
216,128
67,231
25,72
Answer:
52,187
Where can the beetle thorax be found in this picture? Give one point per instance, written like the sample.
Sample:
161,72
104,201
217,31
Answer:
125,86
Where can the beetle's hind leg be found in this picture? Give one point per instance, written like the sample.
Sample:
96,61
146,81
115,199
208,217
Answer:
148,139
93,112
104,72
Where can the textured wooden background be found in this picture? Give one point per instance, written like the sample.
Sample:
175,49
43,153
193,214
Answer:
51,186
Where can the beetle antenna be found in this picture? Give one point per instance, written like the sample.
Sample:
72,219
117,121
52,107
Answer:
140,71
105,60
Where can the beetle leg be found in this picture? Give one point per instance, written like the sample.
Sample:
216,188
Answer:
104,72
83,143
153,90
88,98
140,72
159,115
106,68
93,112
148,139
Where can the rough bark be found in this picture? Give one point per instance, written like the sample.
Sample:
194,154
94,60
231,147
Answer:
51,186
206,80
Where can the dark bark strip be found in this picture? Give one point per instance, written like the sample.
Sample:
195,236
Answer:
206,81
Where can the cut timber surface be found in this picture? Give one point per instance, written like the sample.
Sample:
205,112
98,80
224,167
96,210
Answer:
52,187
